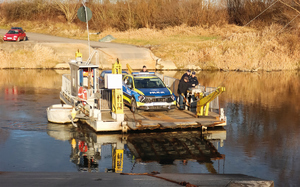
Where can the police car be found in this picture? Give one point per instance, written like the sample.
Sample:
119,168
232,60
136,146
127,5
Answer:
146,91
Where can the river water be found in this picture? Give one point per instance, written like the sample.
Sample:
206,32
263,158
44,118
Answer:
261,139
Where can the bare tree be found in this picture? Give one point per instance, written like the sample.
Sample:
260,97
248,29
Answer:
235,11
68,8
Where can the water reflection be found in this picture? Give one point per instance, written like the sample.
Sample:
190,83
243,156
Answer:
88,147
262,131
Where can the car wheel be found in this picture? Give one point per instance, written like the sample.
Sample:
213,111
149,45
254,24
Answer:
18,39
134,106
25,38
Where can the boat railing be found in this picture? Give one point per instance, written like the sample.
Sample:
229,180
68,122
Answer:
66,84
214,104
172,83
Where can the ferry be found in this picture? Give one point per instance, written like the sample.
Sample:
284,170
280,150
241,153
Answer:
103,108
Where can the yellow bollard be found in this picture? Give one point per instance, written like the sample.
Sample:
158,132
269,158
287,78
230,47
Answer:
117,94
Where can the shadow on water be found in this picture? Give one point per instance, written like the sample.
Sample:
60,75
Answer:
88,148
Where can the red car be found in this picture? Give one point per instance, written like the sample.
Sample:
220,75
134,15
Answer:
15,34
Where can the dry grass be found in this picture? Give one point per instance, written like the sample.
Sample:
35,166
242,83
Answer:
37,57
226,47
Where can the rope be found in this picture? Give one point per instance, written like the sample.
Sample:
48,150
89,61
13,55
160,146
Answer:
261,13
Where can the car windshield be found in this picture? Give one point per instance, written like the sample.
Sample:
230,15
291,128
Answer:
148,83
12,32
17,28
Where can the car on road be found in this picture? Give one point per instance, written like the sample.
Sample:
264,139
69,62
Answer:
146,91
15,34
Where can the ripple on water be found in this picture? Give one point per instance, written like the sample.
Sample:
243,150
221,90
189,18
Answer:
23,125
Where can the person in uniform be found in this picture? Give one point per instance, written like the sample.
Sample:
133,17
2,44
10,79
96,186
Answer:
193,79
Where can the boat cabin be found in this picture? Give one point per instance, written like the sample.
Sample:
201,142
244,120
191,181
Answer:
82,76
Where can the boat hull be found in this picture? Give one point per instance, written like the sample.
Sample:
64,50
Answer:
60,113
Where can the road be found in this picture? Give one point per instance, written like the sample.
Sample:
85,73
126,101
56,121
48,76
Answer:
136,56
45,38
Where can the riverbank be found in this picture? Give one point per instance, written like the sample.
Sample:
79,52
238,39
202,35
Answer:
227,47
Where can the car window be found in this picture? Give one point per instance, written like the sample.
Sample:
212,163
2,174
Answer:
128,81
148,83
102,74
11,32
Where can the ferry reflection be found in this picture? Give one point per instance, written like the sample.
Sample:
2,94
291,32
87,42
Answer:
88,148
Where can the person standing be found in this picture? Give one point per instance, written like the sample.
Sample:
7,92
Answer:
144,69
193,79
188,74
183,87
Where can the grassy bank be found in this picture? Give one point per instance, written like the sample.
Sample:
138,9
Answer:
225,35
227,47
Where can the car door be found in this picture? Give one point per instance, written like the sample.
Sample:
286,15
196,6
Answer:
22,35
19,34
127,88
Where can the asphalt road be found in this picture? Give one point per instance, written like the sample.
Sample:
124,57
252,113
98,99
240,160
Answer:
45,38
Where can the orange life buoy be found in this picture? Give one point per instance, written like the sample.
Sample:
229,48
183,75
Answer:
82,146
82,93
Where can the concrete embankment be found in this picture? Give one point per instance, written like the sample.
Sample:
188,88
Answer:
75,179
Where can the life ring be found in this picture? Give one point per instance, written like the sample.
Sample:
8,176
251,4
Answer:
82,146
82,93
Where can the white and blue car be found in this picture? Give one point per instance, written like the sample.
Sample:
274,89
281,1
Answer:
146,91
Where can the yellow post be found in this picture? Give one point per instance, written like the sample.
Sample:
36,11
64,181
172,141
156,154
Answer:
200,110
117,67
78,54
118,160
117,94
206,109
129,69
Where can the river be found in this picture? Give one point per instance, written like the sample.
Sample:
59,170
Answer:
261,139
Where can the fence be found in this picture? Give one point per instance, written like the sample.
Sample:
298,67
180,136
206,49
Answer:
214,104
105,100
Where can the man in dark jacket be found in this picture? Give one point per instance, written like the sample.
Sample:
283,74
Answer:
194,80
183,87
187,74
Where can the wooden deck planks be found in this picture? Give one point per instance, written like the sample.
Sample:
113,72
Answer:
175,119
